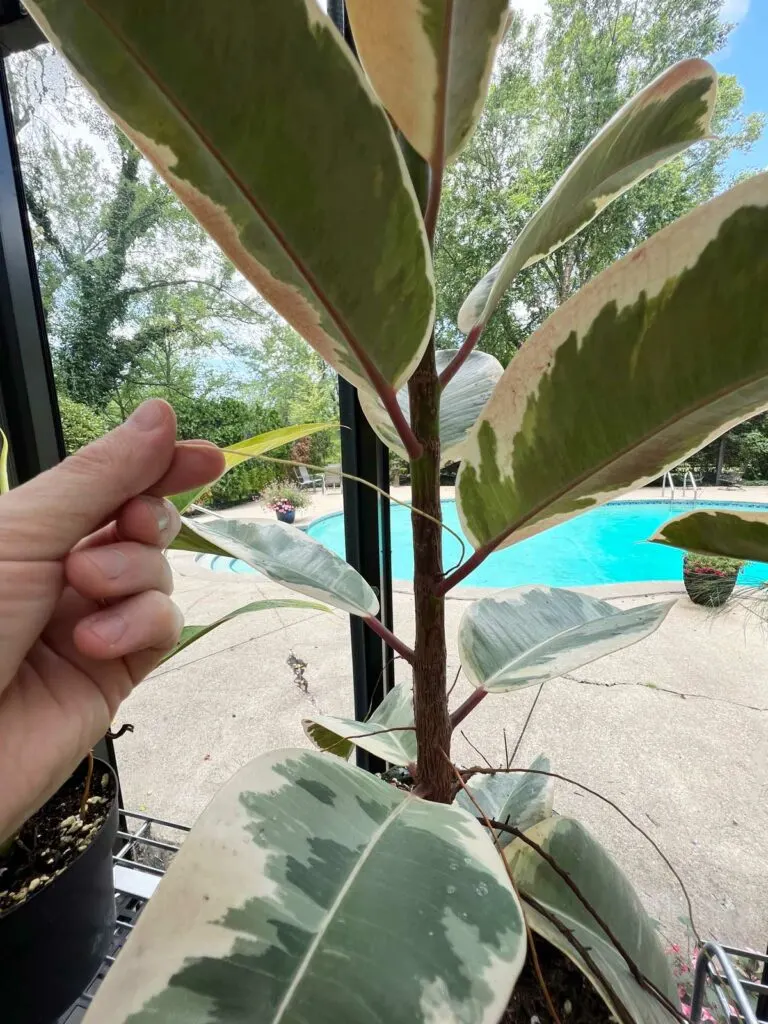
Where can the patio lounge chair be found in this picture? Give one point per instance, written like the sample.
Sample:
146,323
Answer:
332,476
305,480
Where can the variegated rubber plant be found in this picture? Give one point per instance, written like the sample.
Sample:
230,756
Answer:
309,890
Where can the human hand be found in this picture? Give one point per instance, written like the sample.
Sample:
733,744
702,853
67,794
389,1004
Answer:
84,606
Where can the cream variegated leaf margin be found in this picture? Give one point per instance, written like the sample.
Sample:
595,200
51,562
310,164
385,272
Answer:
737,534
250,448
530,634
301,875
430,62
602,883
670,114
285,555
288,161
515,798
460,403
629,377
388,733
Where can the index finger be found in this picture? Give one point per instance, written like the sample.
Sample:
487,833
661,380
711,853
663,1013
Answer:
43,520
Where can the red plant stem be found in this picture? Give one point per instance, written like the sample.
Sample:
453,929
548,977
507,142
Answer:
402,426
389,638
469,705
448,582
461,356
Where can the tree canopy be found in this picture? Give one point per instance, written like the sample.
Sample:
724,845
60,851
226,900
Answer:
557,81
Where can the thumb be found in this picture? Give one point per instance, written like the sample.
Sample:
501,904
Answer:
43,519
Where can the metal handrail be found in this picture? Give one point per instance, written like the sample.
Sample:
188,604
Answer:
725,977
668,477
694,488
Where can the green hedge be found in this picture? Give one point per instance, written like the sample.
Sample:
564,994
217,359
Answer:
81,424
226,421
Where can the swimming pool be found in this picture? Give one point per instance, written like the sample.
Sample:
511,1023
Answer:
606,545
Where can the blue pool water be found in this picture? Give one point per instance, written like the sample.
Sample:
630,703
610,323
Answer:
607,545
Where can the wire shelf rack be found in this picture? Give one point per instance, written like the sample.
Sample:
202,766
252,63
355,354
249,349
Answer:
741,1001
139,864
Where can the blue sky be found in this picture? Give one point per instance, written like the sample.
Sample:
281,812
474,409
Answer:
746,56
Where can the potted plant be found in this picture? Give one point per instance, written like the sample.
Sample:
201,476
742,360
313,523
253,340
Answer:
309,889
709,579
284,499
57,899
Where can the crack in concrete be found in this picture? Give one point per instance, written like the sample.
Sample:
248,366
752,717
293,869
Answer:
665,689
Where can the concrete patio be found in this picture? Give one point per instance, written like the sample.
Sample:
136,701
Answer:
673,730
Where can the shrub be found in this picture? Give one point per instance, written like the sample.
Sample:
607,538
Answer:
752,454
80,423
226,421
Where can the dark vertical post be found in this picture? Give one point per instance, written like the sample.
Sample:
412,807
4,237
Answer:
366,527
29,411
26,378
362,509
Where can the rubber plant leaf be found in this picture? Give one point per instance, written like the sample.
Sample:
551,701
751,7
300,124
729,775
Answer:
341,735
515,798
250,448
627,378
720,532
303,873
460,403
289,161
600,880
190,634
663,120
285,555
430,62
530,634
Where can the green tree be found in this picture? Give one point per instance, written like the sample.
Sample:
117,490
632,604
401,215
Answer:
137,297
291,378
555,85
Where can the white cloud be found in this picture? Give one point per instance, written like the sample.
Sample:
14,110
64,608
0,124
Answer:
532,8
734,10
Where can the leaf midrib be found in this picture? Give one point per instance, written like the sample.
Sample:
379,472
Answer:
380,384
543,643
333,909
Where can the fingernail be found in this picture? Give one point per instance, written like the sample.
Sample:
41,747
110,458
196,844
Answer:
108,627
149,415
108,561
160,509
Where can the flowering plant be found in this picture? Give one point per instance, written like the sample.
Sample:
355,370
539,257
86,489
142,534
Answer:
282,498
709,565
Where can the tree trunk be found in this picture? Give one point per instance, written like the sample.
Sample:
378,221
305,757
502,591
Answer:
720,459
430,701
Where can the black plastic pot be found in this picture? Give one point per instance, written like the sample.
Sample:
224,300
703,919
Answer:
707,589
287,517
52,944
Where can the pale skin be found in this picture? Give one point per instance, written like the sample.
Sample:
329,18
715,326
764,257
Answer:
85,611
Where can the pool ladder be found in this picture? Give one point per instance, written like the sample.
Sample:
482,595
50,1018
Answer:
668,480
